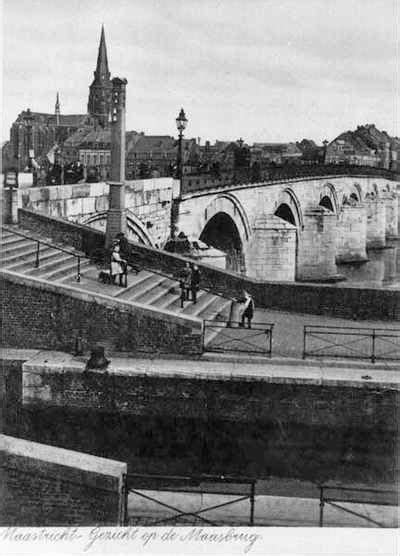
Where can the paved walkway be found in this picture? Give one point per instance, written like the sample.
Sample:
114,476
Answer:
288,337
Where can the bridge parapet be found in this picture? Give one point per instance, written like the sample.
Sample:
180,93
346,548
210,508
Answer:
274,174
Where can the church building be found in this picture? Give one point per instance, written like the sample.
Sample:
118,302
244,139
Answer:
36,136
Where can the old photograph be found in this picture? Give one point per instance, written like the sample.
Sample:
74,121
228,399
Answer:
200,278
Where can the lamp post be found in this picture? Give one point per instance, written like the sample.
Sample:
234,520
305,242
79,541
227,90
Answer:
181,123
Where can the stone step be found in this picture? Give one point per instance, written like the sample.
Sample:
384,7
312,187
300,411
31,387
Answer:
5,234
69,270
18,248
67,265
171,298
49,266
215,307
26,262
175,304
157,293
137,294
134,282
9,241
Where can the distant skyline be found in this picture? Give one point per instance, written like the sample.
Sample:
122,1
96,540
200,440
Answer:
264,70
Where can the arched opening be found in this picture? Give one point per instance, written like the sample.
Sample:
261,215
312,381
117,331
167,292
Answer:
326,203
221,232
285,212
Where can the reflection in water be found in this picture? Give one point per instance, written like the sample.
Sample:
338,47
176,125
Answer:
381,270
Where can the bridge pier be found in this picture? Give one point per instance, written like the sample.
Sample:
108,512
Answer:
376,223
392,215
352,236
316,259
271,253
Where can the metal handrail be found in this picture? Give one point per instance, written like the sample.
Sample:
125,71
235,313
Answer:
332,501
195,481
229,343
175,278
374,334
49,244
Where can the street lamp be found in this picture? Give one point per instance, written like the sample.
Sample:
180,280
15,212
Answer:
181,123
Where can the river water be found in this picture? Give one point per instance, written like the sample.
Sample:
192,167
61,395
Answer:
381,270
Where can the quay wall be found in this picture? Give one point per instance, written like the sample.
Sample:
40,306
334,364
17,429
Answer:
140,389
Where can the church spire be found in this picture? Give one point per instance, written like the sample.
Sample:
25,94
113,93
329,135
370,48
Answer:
102,71
99,104
57,109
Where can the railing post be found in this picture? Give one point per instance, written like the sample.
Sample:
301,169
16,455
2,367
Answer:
270,339
252,502
373,346
304,342
37,255
321,506
78,275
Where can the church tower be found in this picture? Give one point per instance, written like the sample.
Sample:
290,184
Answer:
99,104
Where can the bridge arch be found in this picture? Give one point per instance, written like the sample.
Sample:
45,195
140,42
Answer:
226,228
135,228
328,198
288,208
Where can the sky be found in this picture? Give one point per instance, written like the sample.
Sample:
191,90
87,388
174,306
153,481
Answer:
263,70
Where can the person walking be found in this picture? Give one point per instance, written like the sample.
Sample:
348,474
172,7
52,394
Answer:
194,282
247,309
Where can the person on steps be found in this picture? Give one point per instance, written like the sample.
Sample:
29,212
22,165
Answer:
118,266
194,282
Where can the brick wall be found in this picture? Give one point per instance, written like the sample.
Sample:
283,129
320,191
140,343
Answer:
37,314
47,486
324,299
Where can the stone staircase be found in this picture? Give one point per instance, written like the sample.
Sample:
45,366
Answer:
59,264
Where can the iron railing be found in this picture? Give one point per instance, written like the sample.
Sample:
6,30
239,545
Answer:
40,242
232,336
353,495
243,488
350,342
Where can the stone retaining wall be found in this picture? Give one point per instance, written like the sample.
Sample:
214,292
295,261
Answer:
38,314
47,486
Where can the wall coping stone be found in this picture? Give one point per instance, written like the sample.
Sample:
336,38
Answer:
67,465
272,183
108,301
49,362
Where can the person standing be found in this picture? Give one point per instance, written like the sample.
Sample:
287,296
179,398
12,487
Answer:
117,265
194,282
247,309
186,277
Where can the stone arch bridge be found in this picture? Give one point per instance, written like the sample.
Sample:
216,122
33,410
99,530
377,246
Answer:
283,230
296,229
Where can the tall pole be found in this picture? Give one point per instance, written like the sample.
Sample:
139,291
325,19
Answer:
181,122
116,216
